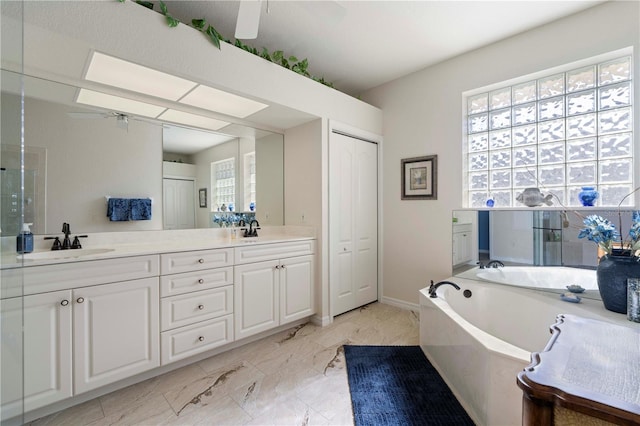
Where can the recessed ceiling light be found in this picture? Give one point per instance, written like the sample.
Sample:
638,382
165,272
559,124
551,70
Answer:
226,103
196,120
126,75
117,103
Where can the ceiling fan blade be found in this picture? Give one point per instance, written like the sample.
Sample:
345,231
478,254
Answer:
88,115
248,19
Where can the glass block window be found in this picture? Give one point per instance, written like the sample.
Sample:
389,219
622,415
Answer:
249,180
223,184
558,132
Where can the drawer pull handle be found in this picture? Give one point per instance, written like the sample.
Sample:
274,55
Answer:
80,299
200,260
201,338
201,307
65,302
200,281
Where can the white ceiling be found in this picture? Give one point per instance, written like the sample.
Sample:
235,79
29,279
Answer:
358,45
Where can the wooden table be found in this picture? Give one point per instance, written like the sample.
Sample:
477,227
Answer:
588,374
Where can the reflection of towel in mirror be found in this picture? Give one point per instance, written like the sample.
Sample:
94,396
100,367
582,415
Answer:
140,209
118,209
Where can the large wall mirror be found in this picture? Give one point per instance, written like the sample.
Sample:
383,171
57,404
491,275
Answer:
76,157
547,238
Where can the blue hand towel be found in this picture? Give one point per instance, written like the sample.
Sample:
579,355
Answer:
140,209
118,209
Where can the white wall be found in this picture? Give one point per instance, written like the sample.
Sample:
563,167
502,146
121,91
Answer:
270,180
88,159
304,186
423,116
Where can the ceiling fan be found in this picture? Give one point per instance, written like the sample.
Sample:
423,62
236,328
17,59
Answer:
248,19
122,120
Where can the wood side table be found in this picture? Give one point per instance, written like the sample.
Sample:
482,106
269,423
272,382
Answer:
588,374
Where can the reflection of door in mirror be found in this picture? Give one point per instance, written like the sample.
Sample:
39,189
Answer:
178,188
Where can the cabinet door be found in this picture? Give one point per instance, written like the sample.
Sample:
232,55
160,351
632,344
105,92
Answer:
46,355
256,298
116,332
296,288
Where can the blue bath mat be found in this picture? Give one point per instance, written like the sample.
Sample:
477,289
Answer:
396,385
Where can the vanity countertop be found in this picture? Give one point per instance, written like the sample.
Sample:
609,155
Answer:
100,249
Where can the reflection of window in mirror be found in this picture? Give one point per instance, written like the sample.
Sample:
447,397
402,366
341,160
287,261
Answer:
249,180
223,184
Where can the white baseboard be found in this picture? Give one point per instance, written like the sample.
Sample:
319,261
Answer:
400,303
321,321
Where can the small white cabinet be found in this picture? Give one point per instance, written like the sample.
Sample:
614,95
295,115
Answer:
272,292
462,244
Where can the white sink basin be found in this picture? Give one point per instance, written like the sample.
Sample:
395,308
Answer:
65,254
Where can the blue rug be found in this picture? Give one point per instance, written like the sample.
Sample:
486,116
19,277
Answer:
396,385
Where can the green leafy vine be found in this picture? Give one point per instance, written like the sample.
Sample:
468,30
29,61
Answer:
277,57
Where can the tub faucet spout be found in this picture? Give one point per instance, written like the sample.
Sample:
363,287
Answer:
495,264
433,287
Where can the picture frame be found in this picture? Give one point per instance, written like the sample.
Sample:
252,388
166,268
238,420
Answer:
202,197
419,178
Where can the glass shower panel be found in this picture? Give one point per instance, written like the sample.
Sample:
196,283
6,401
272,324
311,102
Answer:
11,214
547,238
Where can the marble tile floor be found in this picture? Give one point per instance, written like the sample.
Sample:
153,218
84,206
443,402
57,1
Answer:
296,377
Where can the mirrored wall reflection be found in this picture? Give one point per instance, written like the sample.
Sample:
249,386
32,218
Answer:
76,157
529,237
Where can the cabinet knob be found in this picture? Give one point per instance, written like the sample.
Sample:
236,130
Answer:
200,281
80,299
200,260
64,302
344,249
282,266
277,266
201,307
201,338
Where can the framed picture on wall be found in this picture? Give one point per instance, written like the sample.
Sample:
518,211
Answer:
419,178
202,196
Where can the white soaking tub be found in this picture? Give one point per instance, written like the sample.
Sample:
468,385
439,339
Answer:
480,343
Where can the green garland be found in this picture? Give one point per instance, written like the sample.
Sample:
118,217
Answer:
277,57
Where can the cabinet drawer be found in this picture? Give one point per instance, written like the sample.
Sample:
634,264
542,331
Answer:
190,340
174,263
40,279
186,309
463,227
171,285
260,252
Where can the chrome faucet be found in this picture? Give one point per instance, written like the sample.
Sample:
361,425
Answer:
433,287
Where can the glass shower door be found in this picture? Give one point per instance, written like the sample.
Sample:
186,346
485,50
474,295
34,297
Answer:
11,214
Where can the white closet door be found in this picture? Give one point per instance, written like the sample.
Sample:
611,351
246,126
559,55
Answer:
178,204
353,222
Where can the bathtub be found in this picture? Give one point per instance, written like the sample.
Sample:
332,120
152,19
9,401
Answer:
542,277
479,344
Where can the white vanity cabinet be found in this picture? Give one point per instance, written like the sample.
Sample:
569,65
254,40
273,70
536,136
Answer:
78,338
196,302
275,290
462,243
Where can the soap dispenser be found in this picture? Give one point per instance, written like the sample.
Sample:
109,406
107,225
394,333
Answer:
24,242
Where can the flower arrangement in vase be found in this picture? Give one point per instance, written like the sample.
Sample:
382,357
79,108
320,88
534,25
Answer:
621,259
